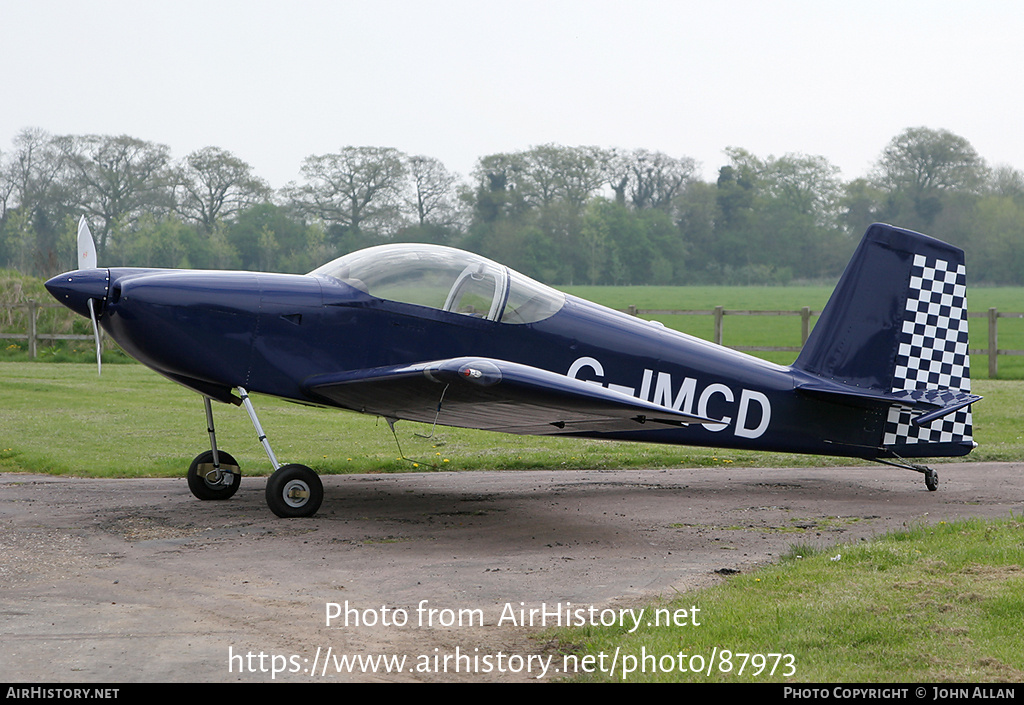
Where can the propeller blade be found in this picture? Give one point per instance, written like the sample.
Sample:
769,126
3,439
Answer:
86,247
87,260
96,334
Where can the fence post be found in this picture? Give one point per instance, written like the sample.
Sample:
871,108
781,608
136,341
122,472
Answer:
805,324
33,308
719,313
632,310
993,343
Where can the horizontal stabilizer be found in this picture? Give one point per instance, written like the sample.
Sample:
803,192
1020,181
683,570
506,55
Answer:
944,401
930,405
491,394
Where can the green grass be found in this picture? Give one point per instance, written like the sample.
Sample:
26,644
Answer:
131,422
939,603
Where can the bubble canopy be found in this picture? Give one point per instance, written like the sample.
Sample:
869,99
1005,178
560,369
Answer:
446,279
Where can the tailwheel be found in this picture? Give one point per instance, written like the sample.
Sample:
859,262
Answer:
931,478
294,491
209,482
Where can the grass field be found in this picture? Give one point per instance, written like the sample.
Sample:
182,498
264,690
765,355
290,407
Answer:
934,604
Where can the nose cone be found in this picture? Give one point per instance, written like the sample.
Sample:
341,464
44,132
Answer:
74,289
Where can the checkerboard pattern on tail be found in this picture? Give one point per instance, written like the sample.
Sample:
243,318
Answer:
932,352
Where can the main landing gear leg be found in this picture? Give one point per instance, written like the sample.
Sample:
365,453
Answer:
213,474
931,478
293,490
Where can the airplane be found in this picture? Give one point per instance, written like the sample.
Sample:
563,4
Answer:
437,335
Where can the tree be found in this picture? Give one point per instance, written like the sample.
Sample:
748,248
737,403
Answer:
995,247
1007,181
623,245
32,183
543,191
697,214
264,230
558,182
919,167
117,179
923,160
6,187
500,191
33,170
779,217
213,184
860,206
167,242
356,188
650,179
556,173
433,191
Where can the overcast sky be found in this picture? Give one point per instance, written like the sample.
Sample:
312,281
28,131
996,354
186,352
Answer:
274,82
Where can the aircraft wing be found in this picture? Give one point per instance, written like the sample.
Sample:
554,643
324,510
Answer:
494,395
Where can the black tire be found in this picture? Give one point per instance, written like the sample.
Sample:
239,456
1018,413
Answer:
294,491
205,490
931,480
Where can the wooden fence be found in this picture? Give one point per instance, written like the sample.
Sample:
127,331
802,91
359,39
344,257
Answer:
992,351
33,336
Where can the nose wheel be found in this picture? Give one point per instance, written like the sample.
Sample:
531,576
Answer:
213,474
207,480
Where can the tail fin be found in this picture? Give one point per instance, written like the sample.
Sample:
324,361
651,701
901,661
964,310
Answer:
895,332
